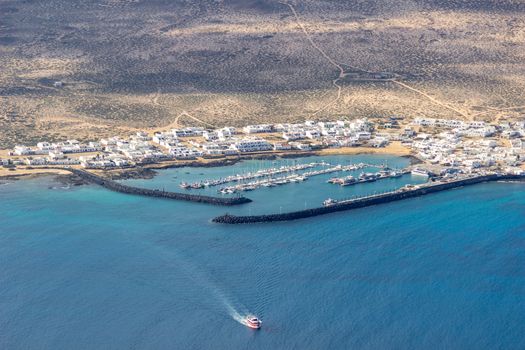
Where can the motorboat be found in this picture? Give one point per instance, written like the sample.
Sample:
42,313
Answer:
347,181
253,322
420,172
329,202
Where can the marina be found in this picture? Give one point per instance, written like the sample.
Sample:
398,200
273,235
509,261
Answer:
285,192
265,177
250,175
271,182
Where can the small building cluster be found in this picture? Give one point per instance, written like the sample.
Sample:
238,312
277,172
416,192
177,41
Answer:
470,146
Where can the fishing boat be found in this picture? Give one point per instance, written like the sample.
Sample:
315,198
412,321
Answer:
253,322
185,185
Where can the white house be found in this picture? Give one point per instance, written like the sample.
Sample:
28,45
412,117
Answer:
363,135
260,128
23,150
293,135
210,135
252,145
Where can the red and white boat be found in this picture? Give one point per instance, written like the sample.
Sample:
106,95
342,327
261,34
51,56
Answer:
253,322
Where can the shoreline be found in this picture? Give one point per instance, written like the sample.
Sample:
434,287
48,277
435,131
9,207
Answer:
148,171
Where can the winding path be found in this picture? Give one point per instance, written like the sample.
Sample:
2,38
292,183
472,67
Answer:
194,118
334,63
341,75
424,94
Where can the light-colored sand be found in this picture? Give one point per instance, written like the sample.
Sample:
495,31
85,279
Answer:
395,148
4,153
22,172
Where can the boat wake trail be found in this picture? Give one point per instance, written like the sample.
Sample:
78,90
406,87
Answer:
236,315
220,302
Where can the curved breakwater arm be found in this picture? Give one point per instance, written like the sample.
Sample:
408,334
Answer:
118,187
364,202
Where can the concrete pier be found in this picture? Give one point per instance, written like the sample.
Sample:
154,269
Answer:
365,201
118,187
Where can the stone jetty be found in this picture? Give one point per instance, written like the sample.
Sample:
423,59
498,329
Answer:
118,187
366,201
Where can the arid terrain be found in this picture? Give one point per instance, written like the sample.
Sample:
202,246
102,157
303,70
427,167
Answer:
148,64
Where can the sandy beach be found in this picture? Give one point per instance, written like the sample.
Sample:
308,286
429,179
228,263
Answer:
24,172
394,148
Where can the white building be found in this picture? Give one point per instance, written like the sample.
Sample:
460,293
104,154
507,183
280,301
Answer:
226,133
260,128
312,134
281,147
188,132
293,135
44,146
210,135
252,145
23,150
36,161
363,135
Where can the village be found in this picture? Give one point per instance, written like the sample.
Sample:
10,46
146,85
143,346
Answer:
449,146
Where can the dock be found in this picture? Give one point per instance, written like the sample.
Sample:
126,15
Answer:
363,202
263,173
266,175
368,177
293,177
118,187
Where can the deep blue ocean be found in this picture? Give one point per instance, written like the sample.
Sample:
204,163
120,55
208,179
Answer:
86,268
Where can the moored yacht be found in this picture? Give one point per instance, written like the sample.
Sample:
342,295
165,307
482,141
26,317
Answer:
333,180
368,177
347,181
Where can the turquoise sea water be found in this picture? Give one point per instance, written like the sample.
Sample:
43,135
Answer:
85,268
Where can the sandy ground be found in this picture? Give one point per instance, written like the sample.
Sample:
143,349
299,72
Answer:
22,172
394,148
213,63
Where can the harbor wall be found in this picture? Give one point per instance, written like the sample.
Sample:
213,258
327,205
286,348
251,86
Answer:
363,202
118,187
